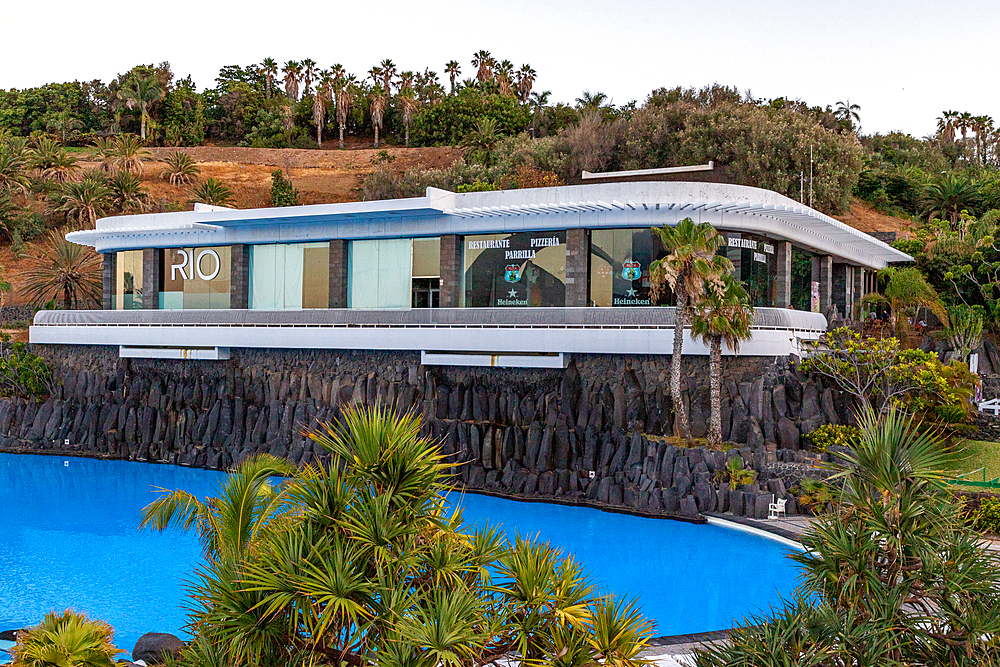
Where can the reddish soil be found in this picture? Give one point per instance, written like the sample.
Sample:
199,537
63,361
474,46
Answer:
863,217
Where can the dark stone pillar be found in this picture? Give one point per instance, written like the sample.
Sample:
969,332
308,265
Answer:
239,267
859,284
110,275
338,273
577,259
152,269
451,270
822,272
841,287
783,274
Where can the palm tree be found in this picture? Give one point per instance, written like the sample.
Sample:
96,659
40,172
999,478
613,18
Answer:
102,151
213,193
270,69
589,100
377,109
127,193
964,123
691,264
53,161
59,267
320,99
13,166
453,70
388,69
538,102
293,74
142,92
481,142
66,124
345,96
180,169
525,80
408,104
85,200
484,63
848,113
505,77
375,74
308,75
905,288
723,315
948,196
66,638
946,125
128,154
234,522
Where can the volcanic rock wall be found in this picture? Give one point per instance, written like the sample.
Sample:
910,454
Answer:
592,433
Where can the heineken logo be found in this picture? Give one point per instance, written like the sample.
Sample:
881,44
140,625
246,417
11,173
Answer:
631,270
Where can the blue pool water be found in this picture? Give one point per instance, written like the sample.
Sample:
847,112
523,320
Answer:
68,539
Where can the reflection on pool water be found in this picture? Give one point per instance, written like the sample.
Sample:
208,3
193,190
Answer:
69,539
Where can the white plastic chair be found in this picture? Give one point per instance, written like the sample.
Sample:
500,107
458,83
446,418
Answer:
776,508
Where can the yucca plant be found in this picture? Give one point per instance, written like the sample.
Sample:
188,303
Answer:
127,153
180,169
127,193
85,200
57,267
68,639
102,152
52,161
735,474
211,192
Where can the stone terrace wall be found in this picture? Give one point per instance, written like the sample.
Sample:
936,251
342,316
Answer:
512,431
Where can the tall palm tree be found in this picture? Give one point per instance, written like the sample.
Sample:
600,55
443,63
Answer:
538,101
484,63
723,315
948,196
453,70
293,74
692,263
375,74
589,100
141,92
320,99
270,69
525,80
377,109
234,522
964,123
308,75
505,77
388,74
345,97
408,104
57,267
946,125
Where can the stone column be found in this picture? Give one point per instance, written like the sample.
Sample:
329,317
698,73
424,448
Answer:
577,261
451,271
239,286
841,287
822,272
859,282
783,274
338,273
110,278
152,270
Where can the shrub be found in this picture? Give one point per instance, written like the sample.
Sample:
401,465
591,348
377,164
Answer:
179,169
986,517
22,373
833,435
735,474
453,118
282,192
68,639
212,192
813,494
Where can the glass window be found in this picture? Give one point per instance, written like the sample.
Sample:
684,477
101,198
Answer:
801,278
128,281
754,262
619,266
195,278
290,276
426,286
381,274
515,270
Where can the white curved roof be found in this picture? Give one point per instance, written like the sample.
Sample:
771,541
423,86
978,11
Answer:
591,206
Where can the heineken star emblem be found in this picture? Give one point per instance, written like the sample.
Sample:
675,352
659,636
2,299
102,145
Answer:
512,293
631,292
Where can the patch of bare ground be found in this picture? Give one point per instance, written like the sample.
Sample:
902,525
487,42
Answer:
863,217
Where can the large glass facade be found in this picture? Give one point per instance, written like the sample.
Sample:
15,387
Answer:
619,266
380,273
524,269
128,281
290,276
754,263
195,278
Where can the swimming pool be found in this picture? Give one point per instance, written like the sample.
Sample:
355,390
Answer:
69,539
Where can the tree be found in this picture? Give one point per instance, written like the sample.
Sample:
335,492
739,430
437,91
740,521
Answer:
525,80
345,96
484,64
504,77
57,267
53,161
361,562
965,330
905,288
127,193
948,196
213,193
892,576
482,141
589,100
68,639
141,92
723,315
537,101
293,74
409,106
270,69
320,99
283,193
847,113
453,70
308,75
13,166
388,69
688,269
946,126
377,109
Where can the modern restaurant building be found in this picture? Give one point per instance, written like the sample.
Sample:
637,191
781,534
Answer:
511,278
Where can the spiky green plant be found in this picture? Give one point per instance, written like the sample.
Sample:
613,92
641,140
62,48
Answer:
68,639
211,192
179,169
57,267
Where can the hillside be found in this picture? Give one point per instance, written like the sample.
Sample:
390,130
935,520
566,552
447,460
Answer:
863,217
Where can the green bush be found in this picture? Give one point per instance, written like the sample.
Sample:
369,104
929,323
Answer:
830,435
282,192
68,639
449,121
987,516
23,373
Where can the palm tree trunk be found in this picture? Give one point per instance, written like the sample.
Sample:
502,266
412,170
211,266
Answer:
376,136
407,136
142,124
319,136
342,136
715,389
680,411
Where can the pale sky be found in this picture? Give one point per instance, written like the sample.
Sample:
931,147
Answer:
903,62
